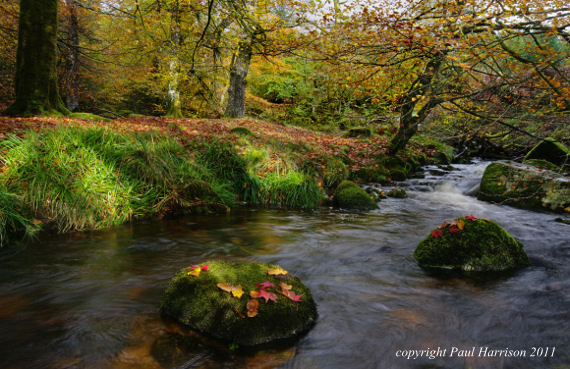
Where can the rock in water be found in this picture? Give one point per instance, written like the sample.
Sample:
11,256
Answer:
349,195
524,186
214,301
470,244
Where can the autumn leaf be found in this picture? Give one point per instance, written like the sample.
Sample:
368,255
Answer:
228,287
267,295
254,294
461,224
285,286
471,217
252,306
291,295
454,230
195,272
277,271
437,233
265,284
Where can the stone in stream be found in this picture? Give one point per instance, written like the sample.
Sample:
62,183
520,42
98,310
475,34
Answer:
470,244
217,300
524,186
349,195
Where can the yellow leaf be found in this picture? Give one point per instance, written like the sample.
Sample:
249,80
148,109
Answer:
460,224
228,287
237,291
195,272
254,294
277,271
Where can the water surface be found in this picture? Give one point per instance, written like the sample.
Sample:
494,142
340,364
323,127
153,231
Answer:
90,300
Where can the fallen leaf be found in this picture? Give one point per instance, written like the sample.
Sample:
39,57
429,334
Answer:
228,287
277,271
254,294
267,295
461,224
265,284
454,230
195,272
437,233
252,306
285,286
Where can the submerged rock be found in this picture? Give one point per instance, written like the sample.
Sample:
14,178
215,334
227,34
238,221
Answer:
349,195
215,302
398,193
524,186
471,244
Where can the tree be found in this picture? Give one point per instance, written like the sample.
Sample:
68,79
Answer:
36,84
457,57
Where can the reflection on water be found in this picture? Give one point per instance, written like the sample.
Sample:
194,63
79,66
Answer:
90,300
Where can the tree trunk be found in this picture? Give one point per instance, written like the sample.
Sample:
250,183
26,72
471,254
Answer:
174,108
36,74
409,122
238,73
72,60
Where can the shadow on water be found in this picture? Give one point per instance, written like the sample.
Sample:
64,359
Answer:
90,300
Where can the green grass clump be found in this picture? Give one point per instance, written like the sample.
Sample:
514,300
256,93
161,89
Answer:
227,166
75,179
12,223
294,190
241,131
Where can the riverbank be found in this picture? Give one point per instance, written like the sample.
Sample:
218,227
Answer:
70,174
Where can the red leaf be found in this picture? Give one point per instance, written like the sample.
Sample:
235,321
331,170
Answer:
437,233
454,230
267,295
471,217
265,284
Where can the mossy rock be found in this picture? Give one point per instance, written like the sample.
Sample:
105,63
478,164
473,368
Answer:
524,186
482,245
542,164
551,151
397,192
198,303
349,195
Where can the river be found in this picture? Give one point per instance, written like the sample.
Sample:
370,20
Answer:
90,299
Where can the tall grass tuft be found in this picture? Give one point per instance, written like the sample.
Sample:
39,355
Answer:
12,223
229,168
293,190
74,179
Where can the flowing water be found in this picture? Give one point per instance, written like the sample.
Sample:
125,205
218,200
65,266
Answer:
90,300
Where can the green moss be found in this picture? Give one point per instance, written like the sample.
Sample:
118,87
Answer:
482,245
542,164
350,196
241,131
551,151
88,116
524,186
199,304
359,132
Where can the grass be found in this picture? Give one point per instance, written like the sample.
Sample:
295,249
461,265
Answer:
65,174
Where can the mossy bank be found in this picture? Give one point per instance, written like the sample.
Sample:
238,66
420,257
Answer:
69,174
198,302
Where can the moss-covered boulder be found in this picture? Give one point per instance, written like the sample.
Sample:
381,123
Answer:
470,244
215,302
550,150
397,192
524,186
349,195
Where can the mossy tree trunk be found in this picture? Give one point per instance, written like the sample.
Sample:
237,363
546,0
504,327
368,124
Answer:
423,86
72,58
238,74
36,74
174,108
